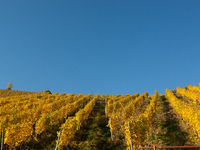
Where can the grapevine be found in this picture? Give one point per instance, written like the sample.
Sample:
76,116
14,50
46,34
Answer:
141,125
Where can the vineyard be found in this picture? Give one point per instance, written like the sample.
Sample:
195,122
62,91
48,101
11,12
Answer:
41,120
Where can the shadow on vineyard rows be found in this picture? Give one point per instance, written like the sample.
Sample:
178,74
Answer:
168,131
94,133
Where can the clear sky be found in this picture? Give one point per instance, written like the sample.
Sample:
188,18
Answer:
99,46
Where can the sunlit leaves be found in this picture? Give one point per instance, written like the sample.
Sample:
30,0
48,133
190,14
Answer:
73,124
188,111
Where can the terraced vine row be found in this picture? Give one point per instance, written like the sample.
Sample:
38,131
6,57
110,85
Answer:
23,117
26,117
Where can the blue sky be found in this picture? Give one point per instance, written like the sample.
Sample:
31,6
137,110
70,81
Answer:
99,46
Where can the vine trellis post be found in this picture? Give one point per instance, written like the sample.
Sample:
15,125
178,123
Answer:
111,129
2,139
131,144
58,141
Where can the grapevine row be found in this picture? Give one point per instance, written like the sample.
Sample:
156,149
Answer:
140,125
115,105
194,95
73,124
51,118
8,93
19,126
187,111
118,118
194,88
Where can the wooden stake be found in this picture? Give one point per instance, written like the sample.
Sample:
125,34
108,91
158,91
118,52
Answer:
154,147
58,141
2,139
145,146
111,129
131,144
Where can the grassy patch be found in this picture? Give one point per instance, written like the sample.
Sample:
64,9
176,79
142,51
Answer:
94,134
173,134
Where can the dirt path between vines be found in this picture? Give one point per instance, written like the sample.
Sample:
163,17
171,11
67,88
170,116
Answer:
168,129
94,134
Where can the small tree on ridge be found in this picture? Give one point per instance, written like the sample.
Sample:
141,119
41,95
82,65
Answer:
9,86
